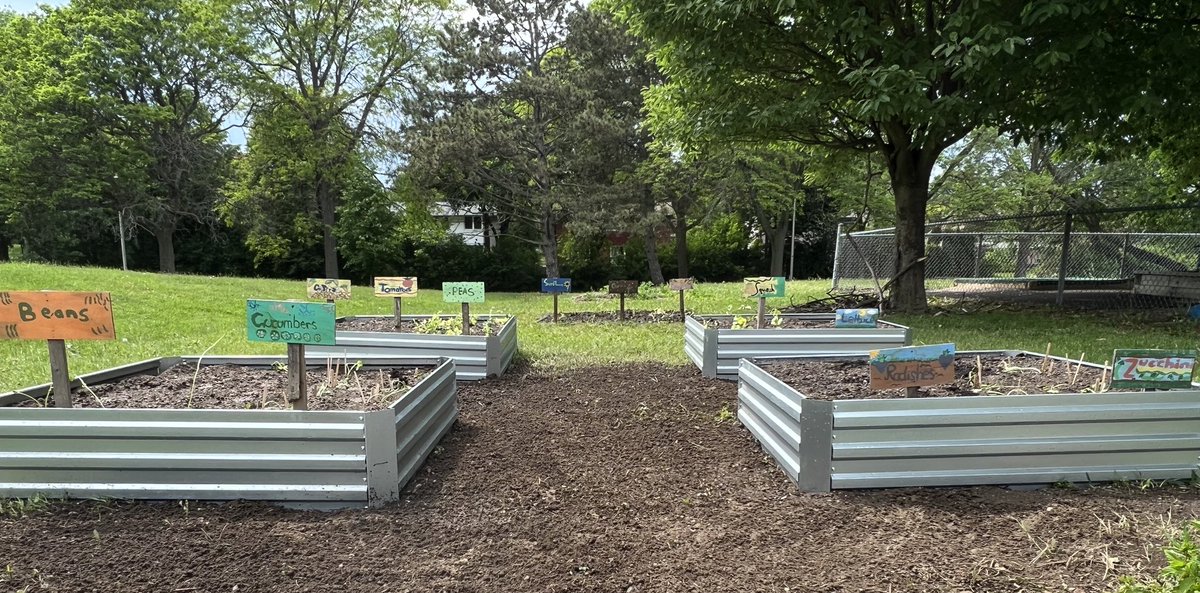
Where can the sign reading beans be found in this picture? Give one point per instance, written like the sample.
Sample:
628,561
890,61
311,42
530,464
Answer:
56,316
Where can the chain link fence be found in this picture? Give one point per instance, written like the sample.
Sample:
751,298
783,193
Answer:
1067,267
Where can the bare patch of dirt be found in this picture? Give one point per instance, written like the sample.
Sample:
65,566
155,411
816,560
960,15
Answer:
1009,375
446,325
248,388
618,479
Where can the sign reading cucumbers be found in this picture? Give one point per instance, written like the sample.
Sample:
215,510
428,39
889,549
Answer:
289,322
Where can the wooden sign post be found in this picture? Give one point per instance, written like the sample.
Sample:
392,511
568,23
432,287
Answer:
762,288
399,288
465,293
681,285
57,317
556,286
1154,369
293,323
622,288
328,289
912,367
856,318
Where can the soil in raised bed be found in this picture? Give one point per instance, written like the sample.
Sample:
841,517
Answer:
628,479
234,387
614,317
479,327
750,321
1018,375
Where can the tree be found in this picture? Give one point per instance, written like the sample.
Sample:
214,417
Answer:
903,79
341,69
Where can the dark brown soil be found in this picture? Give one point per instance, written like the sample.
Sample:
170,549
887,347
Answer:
410,326
246,388
751,321
607,480
1019,375
614,317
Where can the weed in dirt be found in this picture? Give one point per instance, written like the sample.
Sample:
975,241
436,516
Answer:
725,414
17,508
1182,573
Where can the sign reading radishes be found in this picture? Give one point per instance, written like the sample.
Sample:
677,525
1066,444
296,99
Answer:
1154,369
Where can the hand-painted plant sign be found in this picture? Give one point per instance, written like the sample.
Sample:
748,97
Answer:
1155,369
556,285
399,286
289,322
912,366
679,284
56,316
462,292
623,286
328,289
856,317
764,286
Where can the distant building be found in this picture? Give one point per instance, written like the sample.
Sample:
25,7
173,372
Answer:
467,222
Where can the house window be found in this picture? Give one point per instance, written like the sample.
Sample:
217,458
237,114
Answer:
473,223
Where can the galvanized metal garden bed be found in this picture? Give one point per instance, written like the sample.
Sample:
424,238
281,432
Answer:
476,357
717,351
318,459
959,441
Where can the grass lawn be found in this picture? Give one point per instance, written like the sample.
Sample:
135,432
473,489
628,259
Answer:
159,315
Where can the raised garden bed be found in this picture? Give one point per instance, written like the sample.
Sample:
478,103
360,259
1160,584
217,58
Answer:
476,356
633,317
1036,428
358,451
712,344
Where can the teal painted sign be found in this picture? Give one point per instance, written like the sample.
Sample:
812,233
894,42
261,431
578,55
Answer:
1154,369
856,317
912,366
290,322
462,292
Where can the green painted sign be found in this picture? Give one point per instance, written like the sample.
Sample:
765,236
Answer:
764,286
289,322
462,292
1154,369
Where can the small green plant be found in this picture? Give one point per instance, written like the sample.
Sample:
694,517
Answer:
1182,573
776,317
740,322
725,414
18,508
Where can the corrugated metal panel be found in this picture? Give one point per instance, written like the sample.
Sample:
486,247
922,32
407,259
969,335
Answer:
1019,439
791,428
693,341
298,458
195,454
736,344
470,353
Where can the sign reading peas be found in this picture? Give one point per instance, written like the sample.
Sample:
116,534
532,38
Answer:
289,322
462,292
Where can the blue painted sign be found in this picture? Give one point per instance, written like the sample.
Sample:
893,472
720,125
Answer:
912,366
556,285
856,317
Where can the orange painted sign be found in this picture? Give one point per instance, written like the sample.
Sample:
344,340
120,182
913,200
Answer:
56,316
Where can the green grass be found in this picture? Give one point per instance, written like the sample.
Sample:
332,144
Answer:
159,315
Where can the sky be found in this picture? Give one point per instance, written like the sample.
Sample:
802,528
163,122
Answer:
29,5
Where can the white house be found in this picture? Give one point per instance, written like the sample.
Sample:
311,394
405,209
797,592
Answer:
467,222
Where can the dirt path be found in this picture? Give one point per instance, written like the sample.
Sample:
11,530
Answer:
610,479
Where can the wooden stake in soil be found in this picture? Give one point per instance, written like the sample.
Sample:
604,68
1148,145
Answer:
912,392
762,313
59,375
398,311
622,306
465,293
297,377
554,286
1047,358
555,314
56,317
397,288
466,310
621,288
681,285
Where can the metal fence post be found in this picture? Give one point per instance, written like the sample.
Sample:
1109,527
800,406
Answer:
1124,255
837,254
979,255
1066,258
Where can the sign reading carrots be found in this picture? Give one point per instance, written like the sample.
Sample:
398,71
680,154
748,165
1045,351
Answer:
56,316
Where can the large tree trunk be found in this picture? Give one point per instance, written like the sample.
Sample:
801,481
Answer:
164,233
681,242
651,240
910,171
778,235
327,204
549,244
5,243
